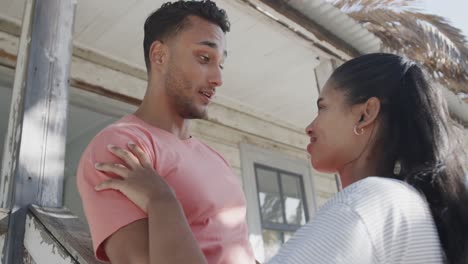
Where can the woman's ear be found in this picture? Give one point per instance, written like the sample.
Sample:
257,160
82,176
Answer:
369,112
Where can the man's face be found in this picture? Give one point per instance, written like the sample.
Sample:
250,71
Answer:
194,67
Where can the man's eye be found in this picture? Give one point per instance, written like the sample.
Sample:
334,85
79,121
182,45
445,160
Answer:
204,58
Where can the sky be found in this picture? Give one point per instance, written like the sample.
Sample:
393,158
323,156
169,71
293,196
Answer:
456,11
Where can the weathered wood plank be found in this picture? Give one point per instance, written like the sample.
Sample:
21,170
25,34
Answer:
123,87
329,42
2,245
41,246
4,217
68,230
233,137
230,153
323,72
13,28
27,258
325,183
322,198
126,88
11,147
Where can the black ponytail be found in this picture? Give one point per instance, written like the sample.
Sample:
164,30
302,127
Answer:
418,135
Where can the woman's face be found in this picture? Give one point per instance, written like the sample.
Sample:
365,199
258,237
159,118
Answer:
333,144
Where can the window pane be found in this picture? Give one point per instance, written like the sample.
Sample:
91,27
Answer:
293,199
269,196
271,242
287,236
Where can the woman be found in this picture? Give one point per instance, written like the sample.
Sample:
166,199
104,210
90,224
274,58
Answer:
387,132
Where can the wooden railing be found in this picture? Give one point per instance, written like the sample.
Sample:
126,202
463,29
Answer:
55,235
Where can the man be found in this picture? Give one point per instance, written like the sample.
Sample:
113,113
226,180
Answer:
184,48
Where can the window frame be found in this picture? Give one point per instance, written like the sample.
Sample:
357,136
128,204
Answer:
251,154
285,227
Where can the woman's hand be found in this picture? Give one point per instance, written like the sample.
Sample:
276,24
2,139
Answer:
140,182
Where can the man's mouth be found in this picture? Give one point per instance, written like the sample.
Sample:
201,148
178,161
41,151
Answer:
207,94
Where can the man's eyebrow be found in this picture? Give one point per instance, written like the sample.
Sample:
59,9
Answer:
212,45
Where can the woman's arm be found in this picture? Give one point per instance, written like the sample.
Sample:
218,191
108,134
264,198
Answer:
170,238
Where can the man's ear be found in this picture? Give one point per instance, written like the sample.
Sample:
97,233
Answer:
157,53
369,112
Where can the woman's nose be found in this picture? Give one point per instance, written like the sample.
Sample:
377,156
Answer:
308,129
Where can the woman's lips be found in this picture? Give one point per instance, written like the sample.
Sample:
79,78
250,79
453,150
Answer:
310,146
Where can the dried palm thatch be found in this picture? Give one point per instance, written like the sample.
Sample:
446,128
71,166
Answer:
426,38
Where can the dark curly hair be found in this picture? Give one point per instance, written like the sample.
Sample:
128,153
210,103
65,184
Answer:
171,18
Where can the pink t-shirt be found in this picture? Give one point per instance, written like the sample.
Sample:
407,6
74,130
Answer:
208,190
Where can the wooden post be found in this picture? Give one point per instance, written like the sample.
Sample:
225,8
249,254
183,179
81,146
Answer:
10,149
35,143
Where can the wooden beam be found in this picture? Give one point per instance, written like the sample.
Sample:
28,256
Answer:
86,86
35,144
10,148
13,28
96,79
323,72
4,214
10,26
327,43
4,217
319,31
309,33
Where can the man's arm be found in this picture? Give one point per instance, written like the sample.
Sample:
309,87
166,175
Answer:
115,222
129,244
167,235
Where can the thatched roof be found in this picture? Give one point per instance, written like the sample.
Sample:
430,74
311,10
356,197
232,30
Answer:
426,38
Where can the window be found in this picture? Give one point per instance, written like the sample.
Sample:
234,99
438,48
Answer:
280,196
282,206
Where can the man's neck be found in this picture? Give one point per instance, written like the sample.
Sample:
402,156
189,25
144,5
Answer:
156,111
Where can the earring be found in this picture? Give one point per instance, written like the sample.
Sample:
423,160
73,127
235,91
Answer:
360,131
397,168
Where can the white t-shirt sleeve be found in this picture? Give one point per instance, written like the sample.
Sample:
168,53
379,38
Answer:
337,234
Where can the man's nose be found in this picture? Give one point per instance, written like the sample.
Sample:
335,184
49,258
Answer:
216,77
